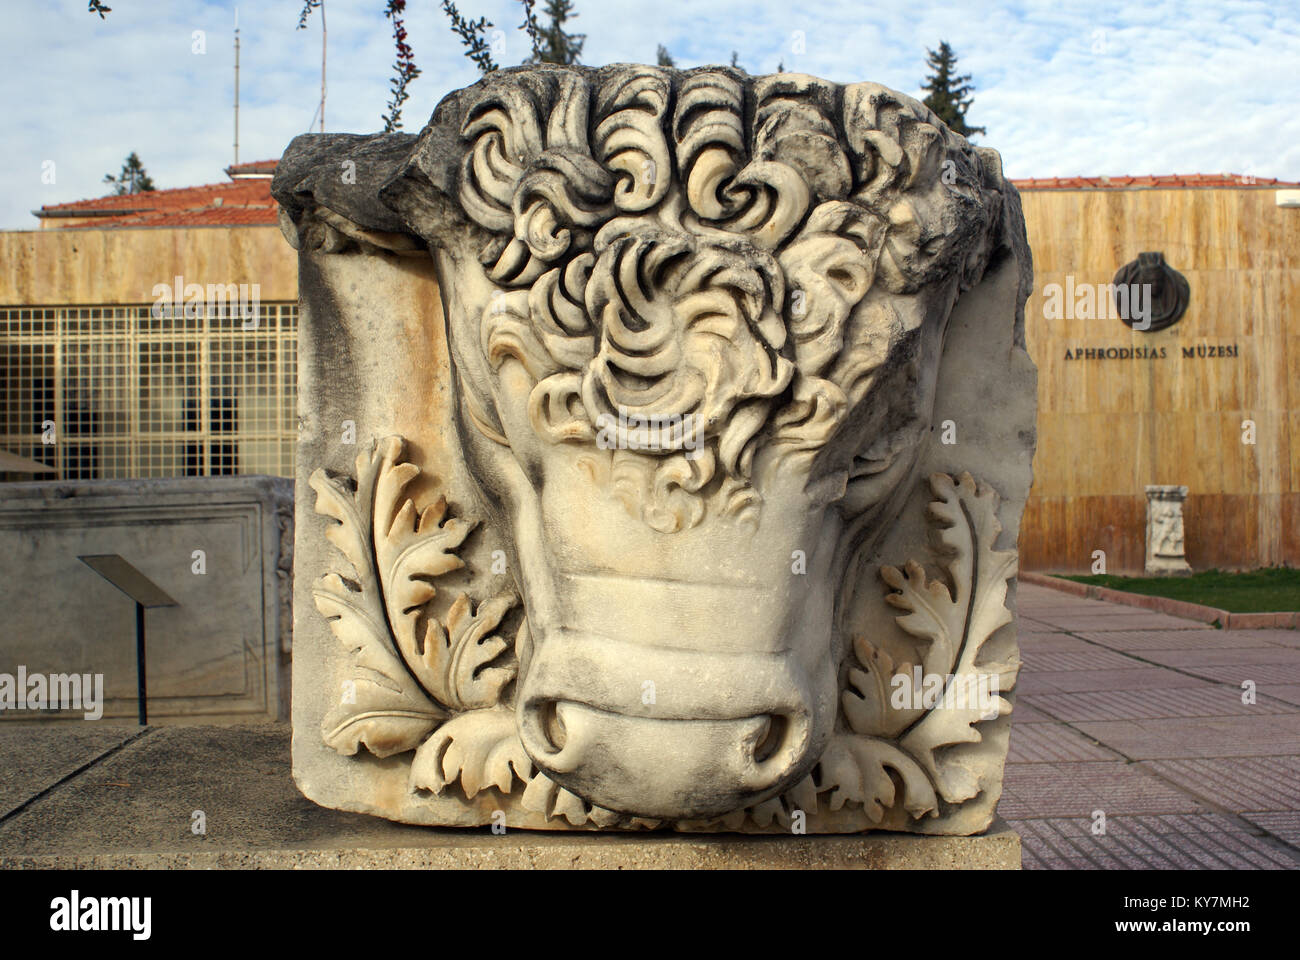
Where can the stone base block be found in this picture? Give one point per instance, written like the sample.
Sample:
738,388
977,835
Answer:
998,849
117,798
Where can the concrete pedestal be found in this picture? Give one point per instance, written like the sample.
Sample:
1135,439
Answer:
110,797
526,850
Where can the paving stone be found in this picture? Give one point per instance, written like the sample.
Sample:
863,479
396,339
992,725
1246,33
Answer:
1092,658
1077,789
1025,712
1175,705
1029,859
1052,643
1052,743
1206,842
1288,692
1060,619
1080,606
1040,643
1285,825
1199,737
1077,608
1140,620
1241,784
1027,622
1264,675
1140,641
1219,657
141,798
1213,700
1077,681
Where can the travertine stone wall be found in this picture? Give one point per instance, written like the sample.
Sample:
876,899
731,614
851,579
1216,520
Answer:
1108,427
55,267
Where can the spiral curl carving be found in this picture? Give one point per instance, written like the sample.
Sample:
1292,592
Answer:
683,255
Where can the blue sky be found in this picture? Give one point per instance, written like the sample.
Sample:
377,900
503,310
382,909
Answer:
1064,88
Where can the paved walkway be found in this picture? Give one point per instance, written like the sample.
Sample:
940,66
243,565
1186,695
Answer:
1121,713
1138,717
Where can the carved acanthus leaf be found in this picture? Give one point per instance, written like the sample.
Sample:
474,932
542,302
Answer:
478,749
410,671
957,625
869,702
381,706
857,770
464,655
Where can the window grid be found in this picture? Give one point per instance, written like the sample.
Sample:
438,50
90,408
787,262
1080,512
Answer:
134,392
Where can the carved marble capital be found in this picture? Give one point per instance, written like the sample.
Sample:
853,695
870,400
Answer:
654,526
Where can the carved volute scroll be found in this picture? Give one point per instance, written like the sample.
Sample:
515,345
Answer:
699,327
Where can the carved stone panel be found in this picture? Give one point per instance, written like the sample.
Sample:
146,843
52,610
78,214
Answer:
220,546
1165,551
664,441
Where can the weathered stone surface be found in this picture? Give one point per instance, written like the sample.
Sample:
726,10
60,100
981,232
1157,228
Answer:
223,653
687,410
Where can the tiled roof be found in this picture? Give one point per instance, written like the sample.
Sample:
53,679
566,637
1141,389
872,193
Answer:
246,199
255,168
1148,182
238,203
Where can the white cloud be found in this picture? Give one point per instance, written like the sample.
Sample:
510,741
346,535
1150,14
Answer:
1064,88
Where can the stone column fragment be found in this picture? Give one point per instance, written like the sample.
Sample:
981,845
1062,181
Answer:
1165,556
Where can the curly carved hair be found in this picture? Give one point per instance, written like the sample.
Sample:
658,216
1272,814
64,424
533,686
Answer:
722,262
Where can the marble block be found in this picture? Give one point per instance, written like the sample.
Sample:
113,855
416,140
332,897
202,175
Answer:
221,547
664,440
1165,549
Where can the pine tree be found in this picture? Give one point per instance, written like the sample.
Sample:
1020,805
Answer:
556,45
947,92
133,178
663,57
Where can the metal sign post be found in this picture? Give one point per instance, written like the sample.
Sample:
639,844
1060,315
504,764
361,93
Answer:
146,594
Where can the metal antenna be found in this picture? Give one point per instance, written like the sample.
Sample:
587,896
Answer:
236,86
322,66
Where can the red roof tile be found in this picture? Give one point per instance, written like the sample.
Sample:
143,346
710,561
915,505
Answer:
239,202
255,168
1149,182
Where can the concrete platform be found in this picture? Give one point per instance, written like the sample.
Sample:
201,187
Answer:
129,801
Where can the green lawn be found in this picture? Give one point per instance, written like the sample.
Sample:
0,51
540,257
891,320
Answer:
1259,591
